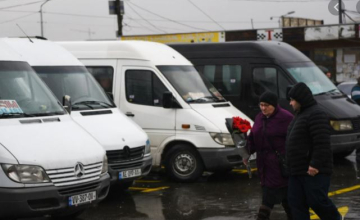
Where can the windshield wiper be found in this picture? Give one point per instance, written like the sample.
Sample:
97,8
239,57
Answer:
322,93
90,103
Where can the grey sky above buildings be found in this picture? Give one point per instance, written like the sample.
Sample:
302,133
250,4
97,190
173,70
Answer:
84,19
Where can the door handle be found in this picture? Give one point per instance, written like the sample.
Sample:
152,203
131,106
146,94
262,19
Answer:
130,114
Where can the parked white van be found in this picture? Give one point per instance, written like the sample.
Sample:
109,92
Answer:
48,164
159,89
126,144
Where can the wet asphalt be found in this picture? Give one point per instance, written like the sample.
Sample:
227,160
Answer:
224,196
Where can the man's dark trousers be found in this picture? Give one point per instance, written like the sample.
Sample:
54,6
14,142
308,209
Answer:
307,191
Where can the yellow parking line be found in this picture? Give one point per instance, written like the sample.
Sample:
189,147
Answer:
341,191
144,189
343,211
147,181
244,170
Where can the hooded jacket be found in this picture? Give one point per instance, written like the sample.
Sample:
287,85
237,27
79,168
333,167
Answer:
308,137
267,134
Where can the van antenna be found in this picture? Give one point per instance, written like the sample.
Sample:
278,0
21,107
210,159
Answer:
25,33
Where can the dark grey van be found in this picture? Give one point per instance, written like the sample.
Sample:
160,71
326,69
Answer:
242,71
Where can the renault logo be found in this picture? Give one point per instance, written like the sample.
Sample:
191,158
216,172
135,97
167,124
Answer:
127,152
79,170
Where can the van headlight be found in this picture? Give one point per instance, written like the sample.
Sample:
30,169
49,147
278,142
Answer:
26,173
221,138
105,165
147,148
345,125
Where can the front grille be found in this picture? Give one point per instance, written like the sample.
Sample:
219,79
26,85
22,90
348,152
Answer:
356,124
124,166
66,176
120,156
74,190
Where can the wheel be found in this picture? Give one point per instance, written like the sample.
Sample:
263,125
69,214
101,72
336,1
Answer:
183,163
68,215
343,154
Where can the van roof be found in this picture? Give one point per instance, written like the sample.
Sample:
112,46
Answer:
7,53
159,54
42,52
282,52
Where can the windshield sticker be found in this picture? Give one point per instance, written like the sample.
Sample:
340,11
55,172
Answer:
131,96
9,107
196,95
233,80
156,101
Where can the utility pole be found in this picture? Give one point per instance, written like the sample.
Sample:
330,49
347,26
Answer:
41,18
340,12
119,7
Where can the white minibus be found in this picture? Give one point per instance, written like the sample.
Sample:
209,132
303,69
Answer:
183,114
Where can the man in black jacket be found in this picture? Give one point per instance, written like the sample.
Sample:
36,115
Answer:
309,157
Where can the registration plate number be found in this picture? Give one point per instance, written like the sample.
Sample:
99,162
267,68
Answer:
129,173
82,198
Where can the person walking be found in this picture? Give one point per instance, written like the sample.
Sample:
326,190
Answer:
309,157
267,136
355,95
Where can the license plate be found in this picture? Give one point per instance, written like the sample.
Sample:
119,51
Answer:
82,198
129,173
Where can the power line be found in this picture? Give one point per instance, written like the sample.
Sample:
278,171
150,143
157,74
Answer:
168,18
14,6
349,17
18,18
131,19
206,14
144,19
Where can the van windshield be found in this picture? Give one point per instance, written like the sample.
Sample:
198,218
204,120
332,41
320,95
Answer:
78,83
23,94
312,76
191,85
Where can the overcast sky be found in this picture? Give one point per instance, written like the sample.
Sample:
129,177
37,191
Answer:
85,19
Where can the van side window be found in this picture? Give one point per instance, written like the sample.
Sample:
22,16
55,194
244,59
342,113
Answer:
231,76
225,78
269,79
264,79
104,75
143,87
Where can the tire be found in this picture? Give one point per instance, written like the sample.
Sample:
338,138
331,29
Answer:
343,154
183,163
68,215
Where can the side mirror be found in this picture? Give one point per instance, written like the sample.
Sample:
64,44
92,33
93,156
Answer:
110,95
167,99
288,88
67,103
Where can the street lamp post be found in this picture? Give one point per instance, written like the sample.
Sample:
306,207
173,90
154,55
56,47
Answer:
41,18
281,18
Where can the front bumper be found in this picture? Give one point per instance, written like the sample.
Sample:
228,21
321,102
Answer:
144,164
40,201
345,142
220,158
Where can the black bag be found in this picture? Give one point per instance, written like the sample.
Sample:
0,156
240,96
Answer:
283,165
282,162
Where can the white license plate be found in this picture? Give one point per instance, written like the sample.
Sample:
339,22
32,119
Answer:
129,173
82,198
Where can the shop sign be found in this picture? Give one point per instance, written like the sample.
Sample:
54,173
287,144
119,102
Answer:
204,37
329,32
270,35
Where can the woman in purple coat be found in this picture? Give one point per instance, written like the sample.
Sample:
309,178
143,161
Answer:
267,135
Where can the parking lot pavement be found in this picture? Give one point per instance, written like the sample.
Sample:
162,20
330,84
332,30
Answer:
214,197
